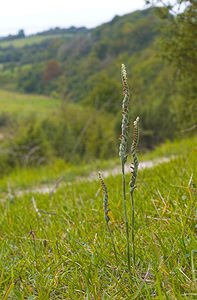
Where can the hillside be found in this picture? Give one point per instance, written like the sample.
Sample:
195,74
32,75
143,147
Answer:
16,103
84,53
83,69
28,41
21,40
37,130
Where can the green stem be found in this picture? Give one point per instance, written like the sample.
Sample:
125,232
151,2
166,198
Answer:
132,227
106,215
126,217
133,180
112,240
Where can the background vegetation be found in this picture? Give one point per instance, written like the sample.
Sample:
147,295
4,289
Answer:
81,67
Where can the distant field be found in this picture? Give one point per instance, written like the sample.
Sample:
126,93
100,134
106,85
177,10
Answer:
31,40
15,103
18,104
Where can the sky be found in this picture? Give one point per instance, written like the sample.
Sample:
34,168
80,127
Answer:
38,15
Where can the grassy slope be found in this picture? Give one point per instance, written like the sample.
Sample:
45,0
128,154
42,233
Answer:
18,105
18,43
37,177
64,252
14,103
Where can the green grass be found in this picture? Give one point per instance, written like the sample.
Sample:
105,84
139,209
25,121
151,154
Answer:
25,178
30,178
63,250
27,41
173,148
16,103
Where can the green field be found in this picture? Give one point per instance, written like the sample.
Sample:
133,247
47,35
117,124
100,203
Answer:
27,41
38,177
58,247
15,103
25,105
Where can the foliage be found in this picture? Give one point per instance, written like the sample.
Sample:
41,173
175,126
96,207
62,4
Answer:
104,93
37,130
179,48
83,68
29,148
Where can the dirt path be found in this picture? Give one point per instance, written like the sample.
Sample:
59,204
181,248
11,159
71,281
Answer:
142,165
51,188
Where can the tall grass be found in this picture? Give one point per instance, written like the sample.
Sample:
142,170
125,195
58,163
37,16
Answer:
123,154
134,169
106,213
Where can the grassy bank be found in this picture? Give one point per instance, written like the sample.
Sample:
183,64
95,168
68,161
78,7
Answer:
23,178
57,246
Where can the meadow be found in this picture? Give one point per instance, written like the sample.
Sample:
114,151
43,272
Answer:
30,40
13,103
56,246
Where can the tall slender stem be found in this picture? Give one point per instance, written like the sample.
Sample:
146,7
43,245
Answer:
133,228
106,215
133,180
123,153
112,241
126,216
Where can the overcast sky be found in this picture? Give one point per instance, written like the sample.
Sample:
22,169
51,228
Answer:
38,15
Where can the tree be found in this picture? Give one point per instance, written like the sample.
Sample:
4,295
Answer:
180,39
21,34
52,70
104,93
179,46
